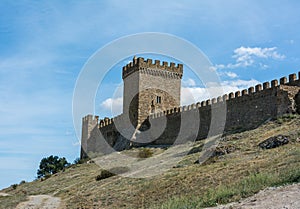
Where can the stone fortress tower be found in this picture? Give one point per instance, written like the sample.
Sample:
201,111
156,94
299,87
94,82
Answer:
150,88
152,95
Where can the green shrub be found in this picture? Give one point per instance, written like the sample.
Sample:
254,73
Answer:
196,149
104,175
145,153
285,118
51,165
14,186
22,182
80,161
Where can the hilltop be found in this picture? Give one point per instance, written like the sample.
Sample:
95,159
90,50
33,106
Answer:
238,169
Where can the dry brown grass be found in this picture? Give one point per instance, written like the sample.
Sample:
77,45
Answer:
78,188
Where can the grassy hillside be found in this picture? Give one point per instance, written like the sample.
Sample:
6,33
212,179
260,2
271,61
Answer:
242,171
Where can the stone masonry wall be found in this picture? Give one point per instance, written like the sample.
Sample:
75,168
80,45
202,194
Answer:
151,86
89,124
245,110
144,81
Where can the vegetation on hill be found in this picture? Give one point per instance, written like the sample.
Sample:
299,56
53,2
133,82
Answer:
239,168
51,165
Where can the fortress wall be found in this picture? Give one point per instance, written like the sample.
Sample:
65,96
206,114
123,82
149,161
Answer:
288,99
89,124
171,130
297,102
251,109
182,125
93,130
109,133
245,109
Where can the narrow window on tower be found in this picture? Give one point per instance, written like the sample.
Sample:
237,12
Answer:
158,99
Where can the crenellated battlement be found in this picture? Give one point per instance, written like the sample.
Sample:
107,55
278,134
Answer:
243,94
89,118
100,122
105,122
245,109
257,90
154,68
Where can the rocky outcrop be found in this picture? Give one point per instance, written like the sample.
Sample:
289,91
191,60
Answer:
274,142
297,102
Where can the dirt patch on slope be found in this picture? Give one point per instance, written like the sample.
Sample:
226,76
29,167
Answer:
280,197
40,202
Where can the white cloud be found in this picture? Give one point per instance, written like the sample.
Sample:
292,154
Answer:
218,66
263,66
191,95
231,74
113,104
228,74
246,56
241,84
188,82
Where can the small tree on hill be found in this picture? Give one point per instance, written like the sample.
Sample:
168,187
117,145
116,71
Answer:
51,165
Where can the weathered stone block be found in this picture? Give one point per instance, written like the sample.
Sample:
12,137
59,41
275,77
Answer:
283,80
274,83
258,88
266,85
292,77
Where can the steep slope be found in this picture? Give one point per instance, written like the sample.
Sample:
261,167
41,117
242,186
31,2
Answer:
239,168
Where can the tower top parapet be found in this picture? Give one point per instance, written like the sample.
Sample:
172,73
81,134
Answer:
141,64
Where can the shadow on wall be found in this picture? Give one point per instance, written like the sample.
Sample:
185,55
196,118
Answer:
245,110
297,101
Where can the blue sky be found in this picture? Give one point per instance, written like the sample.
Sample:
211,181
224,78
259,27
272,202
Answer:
45,44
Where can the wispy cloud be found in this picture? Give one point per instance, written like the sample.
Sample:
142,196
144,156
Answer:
115,105
247,56
188,82
228,74
191,95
